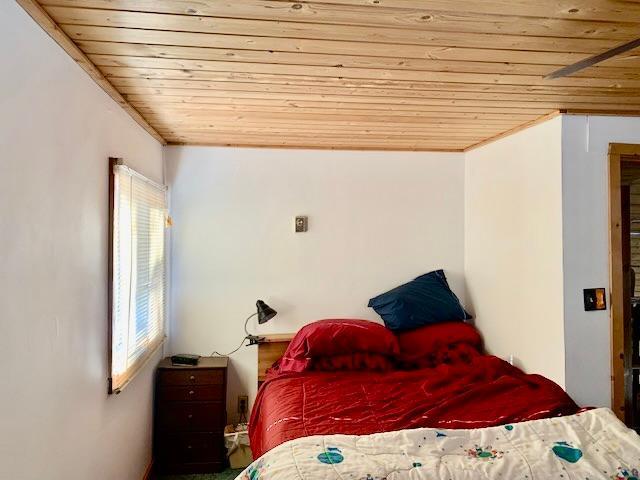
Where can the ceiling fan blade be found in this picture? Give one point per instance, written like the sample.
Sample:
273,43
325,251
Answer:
588,62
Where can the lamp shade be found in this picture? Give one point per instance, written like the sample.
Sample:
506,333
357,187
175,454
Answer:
265,312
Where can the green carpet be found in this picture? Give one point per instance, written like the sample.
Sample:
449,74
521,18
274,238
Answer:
228,474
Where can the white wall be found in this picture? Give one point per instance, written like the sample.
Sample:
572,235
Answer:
376,219
513,247
57,130
585,143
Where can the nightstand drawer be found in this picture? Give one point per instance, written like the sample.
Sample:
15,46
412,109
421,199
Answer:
191,416
192,394
191,448
191,377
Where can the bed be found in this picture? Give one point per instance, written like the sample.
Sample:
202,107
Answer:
435,420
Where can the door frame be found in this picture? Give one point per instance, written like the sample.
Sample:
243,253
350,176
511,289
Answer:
618,153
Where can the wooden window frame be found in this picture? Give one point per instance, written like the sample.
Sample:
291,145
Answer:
113,161
140,364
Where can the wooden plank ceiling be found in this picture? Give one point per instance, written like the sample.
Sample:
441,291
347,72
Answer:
356,74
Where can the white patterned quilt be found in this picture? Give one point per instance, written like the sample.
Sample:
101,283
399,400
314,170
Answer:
587,446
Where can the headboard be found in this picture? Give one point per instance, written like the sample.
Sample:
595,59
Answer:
271,350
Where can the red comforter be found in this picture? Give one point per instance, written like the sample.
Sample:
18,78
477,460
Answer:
485,392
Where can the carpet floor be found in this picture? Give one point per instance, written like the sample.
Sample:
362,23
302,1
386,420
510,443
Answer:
228,474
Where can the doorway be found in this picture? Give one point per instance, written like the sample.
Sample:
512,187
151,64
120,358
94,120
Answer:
624,256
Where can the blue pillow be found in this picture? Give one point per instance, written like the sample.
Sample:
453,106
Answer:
423,301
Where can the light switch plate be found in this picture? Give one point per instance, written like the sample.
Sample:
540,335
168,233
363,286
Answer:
301,224
594,299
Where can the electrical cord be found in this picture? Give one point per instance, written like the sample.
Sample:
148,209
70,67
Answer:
248,337
214,353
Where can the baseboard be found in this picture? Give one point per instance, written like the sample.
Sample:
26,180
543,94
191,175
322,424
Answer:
148,474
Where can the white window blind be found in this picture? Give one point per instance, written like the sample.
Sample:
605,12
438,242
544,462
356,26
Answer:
138,273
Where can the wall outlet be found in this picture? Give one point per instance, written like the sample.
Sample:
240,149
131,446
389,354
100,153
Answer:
243,403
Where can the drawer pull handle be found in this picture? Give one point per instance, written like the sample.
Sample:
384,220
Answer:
191,392
192,378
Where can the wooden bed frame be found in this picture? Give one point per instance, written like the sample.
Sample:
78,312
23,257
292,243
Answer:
271,350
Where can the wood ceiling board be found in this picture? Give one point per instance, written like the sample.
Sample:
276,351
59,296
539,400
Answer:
174,118
450,123
241,77
472,107
312,118
363,59
359,16
114,50
248,117
427,104
370,36
157,38
497,115
306,145
312,141
161,121
211,96
438,75
294,115
315,138
204,102
168,68
618,10
295,134
347,137
244,82
436,118
390,104
401,89
603,10
291,131
448,118
294,131
364,97
409,70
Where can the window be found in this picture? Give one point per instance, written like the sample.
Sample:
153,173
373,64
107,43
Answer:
137,272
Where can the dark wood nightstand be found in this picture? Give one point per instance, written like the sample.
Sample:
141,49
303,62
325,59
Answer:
190,415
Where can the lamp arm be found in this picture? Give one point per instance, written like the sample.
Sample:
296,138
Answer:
246,322
253,339
248,337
